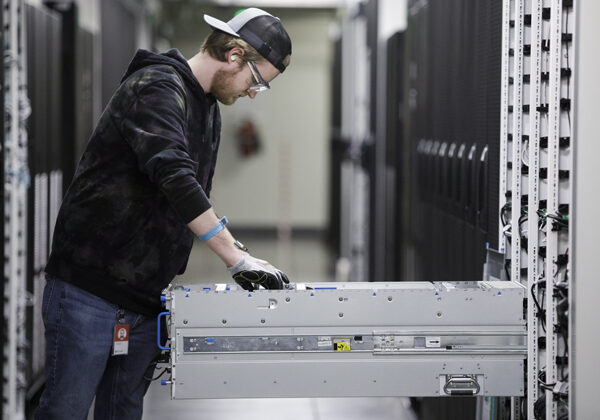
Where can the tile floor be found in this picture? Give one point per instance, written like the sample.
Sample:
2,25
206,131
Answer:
304,260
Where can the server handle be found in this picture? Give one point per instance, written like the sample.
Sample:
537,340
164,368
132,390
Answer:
158,340
461,385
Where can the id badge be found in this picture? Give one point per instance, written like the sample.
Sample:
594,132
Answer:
121,340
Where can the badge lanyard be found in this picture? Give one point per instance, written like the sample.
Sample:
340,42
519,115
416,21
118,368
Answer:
121,335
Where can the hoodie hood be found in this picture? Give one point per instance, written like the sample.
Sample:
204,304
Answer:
173,58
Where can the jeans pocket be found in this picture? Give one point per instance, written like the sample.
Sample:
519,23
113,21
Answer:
139,319
47,296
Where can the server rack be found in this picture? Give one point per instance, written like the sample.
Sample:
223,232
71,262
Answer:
395,162
356,192
64,154
338,148
373,145
16,182
83,92
46,147
2,230
536,187
453,72
60,124
121,18
453,102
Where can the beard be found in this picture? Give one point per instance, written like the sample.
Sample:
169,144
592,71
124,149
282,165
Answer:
221,86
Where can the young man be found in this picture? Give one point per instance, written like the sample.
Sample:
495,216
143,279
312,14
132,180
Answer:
129,218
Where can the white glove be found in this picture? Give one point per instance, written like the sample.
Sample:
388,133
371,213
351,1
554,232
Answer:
250,272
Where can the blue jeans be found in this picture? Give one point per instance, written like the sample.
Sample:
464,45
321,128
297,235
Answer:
79,365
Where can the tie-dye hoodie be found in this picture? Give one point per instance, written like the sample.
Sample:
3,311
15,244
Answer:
121,232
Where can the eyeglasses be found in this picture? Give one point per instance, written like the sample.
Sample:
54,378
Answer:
261,84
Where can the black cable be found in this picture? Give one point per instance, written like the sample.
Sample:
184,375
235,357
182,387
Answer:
155,363
539,308
564,377
504,210
504,219
558,219
524,217
543,318
161,374
567,59
562,306
157,377
541,313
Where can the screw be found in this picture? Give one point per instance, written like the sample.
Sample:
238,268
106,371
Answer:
287,299
224,321
341,299
439,314
341,314
389,298
185,321
262,321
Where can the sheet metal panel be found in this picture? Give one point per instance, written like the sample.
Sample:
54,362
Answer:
347,339
352,304
347,376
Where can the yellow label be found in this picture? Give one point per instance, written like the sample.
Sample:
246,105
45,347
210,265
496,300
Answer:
342,344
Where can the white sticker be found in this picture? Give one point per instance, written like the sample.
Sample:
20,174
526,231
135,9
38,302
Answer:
433,342
324,342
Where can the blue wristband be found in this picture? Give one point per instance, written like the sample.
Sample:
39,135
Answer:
214,230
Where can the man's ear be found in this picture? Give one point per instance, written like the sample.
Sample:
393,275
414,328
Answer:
234,55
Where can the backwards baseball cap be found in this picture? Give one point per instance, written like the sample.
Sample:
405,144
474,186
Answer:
261,30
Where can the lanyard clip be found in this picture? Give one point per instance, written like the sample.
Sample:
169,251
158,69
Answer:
121,315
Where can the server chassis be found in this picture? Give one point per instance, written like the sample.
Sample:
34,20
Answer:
346,340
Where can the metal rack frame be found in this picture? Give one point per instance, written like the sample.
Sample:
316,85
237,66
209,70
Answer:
537,41
16,182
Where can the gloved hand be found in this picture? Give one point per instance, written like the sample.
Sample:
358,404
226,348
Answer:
251,272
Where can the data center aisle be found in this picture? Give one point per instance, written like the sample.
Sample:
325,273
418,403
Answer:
305,260
159,407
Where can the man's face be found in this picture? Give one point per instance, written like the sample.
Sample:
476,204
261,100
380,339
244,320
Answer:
229,85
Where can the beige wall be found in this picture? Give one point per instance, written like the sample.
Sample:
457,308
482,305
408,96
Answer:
288,180
291,170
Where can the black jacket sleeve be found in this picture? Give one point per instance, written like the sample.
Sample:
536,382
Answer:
154,127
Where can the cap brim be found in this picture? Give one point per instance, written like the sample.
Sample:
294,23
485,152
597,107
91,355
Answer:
220,25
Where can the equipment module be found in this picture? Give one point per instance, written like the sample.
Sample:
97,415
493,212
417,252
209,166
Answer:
346,340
